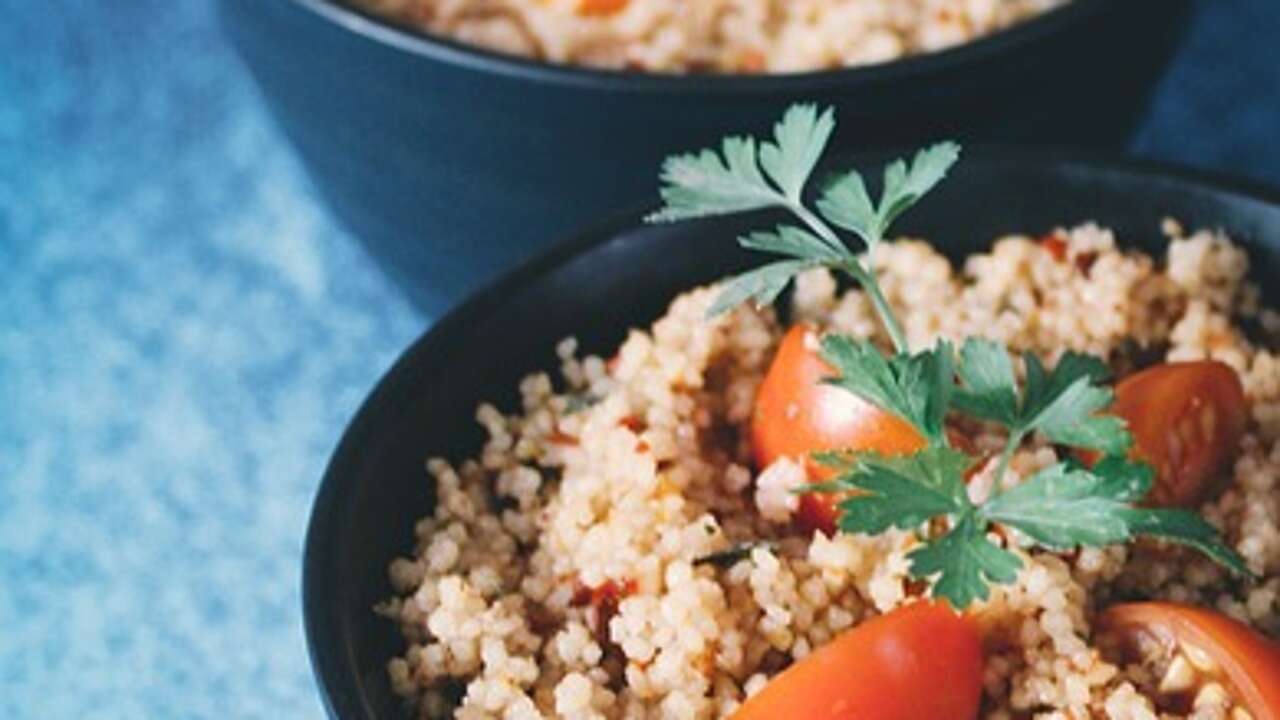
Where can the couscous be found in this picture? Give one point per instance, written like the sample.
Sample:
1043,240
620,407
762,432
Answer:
723,36
643,537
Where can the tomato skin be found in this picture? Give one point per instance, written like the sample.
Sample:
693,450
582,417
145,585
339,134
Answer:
1187,419
797,414
600,8
818,511
919,662
1249,660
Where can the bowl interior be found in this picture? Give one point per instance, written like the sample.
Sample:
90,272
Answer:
622,276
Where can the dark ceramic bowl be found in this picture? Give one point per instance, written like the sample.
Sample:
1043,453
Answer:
621,276
451,163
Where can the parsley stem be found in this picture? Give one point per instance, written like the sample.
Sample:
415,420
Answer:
863,274
1006,456
872,287
815,223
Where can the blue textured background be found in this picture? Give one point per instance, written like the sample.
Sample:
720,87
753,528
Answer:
184,333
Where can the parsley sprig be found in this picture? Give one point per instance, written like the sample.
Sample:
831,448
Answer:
962,549
706,183
1065,405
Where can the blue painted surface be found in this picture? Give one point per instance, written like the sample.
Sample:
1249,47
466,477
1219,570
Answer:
184,334
1219,105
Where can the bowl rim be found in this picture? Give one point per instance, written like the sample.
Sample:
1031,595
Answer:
387,396
469,57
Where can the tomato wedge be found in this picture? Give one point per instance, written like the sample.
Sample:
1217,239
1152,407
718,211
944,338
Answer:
919,662
796,414
1187,419
1249,662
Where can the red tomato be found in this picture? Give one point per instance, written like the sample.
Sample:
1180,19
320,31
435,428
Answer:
796,414
920,662
1055,245
1186,419
600,8
1250,662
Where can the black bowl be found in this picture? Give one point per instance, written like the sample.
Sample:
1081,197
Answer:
622,276
451,163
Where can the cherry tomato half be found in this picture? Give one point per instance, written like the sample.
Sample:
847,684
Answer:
919,662
1186,419
796,414
1249,662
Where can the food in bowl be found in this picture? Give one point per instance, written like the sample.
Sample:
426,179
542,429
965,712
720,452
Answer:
865,506
723,36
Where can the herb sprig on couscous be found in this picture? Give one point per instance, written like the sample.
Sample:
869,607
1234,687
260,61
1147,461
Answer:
1091,499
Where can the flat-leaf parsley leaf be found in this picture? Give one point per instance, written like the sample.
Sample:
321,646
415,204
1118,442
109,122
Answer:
1063,506
915,387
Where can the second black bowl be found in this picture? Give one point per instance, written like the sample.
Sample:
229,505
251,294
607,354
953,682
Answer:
623,276
451,163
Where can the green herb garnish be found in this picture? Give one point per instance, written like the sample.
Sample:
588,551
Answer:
730,556
1061,507
706,184
579,401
